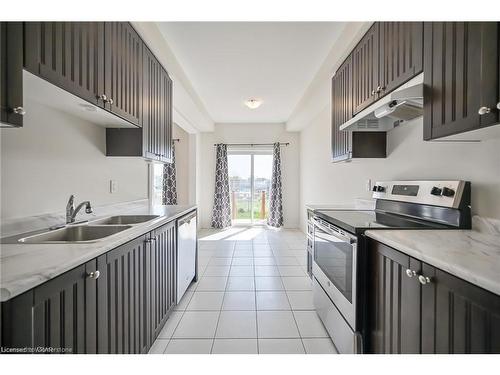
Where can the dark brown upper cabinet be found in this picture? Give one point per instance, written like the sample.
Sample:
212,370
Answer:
341,110
462,87
96,61
387,56
365,70
69,55
123,71
11,74
346,145
401,53
154,140
157,110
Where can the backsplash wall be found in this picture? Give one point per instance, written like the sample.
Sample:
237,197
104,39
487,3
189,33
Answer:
56,154
324,182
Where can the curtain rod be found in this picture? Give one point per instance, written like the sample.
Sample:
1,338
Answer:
254,144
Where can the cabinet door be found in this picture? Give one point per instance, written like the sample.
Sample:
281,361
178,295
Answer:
65,312
401,53
458,317
123,71
365,70
11,74
151,108
157,110
393,302
461,76
341,110
69,55
15,318
163,276
126,298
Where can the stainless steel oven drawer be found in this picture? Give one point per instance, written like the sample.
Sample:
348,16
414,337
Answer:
346,341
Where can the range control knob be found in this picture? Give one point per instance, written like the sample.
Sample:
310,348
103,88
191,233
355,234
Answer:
447,192
436,191
380,189
374,188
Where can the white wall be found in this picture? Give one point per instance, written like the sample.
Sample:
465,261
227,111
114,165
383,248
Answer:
182,164
323,182
250,133
55,155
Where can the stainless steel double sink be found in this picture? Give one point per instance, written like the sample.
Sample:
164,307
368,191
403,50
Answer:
93,231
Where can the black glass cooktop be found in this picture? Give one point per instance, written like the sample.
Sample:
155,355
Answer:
359,221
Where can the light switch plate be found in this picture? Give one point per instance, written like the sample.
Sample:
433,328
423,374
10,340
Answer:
113,186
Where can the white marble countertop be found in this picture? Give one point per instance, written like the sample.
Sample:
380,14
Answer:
467,254
24,266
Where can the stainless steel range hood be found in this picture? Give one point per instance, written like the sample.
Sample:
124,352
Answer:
403,104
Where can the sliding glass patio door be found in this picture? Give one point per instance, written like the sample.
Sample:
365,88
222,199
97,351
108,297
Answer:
250,181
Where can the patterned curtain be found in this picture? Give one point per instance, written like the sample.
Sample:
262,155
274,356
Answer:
169,181
221,214
275,218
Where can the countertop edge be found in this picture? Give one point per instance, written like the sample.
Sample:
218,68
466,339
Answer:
457,271
6,294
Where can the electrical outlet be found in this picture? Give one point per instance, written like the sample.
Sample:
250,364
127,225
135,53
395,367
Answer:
113,186
368,185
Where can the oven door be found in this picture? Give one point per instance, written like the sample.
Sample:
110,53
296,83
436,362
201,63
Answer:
335,256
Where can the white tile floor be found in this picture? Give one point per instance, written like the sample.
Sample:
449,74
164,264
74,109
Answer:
253,296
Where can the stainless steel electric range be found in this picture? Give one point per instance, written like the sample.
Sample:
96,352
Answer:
339,251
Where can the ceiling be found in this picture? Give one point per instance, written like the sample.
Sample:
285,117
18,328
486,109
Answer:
230,62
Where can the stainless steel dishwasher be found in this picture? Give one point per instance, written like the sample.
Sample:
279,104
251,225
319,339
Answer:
186,253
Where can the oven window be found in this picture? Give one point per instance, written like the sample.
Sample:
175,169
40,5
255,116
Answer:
334,257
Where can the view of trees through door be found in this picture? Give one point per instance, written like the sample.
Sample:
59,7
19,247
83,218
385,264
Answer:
250,182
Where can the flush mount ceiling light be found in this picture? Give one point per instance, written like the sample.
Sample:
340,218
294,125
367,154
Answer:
253,103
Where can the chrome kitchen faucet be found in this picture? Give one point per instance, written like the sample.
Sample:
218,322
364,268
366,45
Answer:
71,211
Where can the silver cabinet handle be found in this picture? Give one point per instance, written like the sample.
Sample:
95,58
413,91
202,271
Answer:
484,111
373,92
94,275
19,111
110,101
424,280
103,97
410,273
498,105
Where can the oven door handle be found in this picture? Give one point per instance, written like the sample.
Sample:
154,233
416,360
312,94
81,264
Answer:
331,232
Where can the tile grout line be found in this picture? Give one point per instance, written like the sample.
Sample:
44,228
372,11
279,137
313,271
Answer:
279,253
295,320
179,322
255,297
222,304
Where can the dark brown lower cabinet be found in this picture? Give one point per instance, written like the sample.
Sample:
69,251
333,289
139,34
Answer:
65,312
163,277
16,334
115,303
125,304
458,317
394,303
440,314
